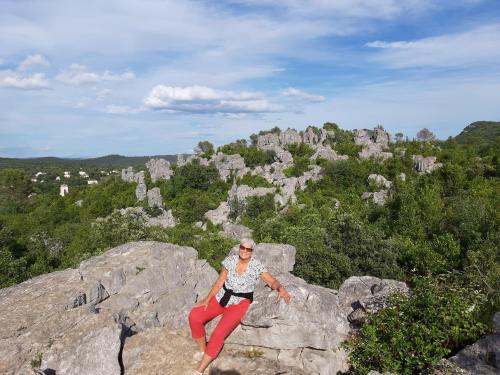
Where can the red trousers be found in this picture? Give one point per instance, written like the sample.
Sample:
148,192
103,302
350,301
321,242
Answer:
231,317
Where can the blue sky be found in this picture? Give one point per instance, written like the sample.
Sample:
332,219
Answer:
83,79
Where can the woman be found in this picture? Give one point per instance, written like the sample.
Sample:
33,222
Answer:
231,295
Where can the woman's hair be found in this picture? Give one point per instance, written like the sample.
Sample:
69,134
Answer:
248,241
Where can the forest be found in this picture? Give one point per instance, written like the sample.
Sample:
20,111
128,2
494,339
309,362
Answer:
438,231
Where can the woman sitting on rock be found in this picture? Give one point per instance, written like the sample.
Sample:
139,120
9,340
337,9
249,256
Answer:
231,295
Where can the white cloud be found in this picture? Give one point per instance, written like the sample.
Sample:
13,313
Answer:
121,109
36,81
299,94
202,99
33,60
101,94
469,48
77,74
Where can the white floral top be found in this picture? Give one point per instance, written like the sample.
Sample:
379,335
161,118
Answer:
240,283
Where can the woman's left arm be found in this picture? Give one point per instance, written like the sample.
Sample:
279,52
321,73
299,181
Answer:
275,285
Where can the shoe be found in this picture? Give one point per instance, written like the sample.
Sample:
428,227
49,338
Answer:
197,372
198,356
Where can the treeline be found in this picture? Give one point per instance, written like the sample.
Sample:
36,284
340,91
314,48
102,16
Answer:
439,232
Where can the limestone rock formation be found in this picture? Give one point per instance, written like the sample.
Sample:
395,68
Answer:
128,174
235,231
165,220
377,197
159,169
310,137
141,189
268,141
373,142
425,165
326,152
289,137
240,193
482,357
133,318
227,164
379,180
181,160
219,215
154,198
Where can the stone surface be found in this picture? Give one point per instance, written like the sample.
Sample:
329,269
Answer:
268,141
137,297
183,160
165,220
482,357
159,169
310,137
239,193
219,215
377,197
141,189
236,231
228,164
128,174
380,180
373,142
289,136
326,152
425,165
154,198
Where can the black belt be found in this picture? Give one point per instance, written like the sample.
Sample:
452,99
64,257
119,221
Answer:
229,292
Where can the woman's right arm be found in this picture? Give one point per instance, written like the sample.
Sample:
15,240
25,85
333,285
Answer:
215,288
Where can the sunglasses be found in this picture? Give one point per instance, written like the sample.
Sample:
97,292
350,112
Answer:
249,249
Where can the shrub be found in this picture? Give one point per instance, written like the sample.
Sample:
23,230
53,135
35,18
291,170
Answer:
414,332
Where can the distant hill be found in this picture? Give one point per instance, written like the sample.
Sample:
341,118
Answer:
480,132
105,162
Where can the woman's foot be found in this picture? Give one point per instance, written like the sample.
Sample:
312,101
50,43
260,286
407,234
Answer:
197,372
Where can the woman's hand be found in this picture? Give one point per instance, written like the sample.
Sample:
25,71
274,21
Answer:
282,293
204,302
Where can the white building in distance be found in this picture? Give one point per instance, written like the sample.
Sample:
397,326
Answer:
92,182
63,189
67,174
83,174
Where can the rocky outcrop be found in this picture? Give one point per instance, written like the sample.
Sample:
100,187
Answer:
367,294
289,137
425,165
219,215
379,180
128,174
159,169
235,231
240,193
373,142
154,198
482,357
182,160
268,141
326,152
165,219
131,316
228,164
377,197
141,189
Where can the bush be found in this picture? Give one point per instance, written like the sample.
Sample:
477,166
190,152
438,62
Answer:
414,332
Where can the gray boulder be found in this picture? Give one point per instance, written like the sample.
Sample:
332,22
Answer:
242,192
482,357
128,174
182,160
310,137
289,137
159,169
235,231
268,141
326,152
377,197
227,164
141,189
220,215
154,198
380,180
425,165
